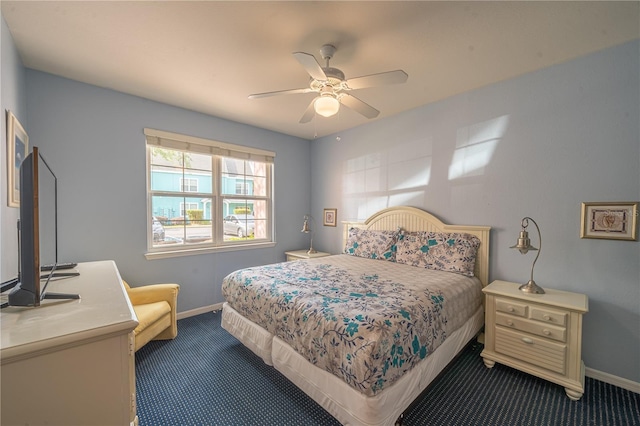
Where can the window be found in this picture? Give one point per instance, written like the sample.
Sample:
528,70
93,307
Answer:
205,195
241,188
187,206
189,185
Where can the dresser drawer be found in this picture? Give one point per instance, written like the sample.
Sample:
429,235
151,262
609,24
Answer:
549,316
539,352
533,327
511,307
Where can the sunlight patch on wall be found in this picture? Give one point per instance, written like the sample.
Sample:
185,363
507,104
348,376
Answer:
411,174
359,208
380,179
475,146
415,198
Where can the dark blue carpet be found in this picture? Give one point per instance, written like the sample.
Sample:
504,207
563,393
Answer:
206,377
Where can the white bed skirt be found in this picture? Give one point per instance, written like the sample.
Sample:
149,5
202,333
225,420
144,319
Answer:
251,335
346,404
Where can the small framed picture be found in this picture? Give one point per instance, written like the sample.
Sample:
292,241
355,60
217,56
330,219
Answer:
17,150
612,221
329,217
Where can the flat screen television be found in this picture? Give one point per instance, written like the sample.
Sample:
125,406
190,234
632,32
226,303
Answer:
37,232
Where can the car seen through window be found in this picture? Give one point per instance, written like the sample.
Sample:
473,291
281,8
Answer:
240,225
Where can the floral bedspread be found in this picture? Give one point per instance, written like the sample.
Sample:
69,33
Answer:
366,321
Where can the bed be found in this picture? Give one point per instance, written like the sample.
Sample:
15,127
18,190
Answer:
364,332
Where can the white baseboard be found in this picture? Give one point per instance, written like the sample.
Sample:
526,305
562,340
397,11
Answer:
612,380
198,311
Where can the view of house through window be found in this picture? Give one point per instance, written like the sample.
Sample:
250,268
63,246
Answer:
207,199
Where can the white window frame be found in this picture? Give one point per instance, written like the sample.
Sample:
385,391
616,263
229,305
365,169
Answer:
218,150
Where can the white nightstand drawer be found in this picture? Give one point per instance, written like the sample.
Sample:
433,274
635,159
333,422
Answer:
549,316
511,307
540,352
534,327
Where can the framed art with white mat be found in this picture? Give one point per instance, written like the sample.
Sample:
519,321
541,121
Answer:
610,220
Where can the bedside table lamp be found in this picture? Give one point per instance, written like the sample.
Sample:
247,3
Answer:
524,245
307,230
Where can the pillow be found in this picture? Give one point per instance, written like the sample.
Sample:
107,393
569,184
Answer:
372,244
441,251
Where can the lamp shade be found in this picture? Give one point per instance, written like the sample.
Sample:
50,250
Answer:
326,105
524,243
305,226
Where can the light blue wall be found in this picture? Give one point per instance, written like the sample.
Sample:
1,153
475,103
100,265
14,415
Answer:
93,139
543,143
13,98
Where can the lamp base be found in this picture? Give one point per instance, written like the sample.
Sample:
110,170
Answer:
312,251
531,287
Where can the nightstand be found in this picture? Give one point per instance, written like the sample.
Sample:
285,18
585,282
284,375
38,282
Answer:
540,334
302,254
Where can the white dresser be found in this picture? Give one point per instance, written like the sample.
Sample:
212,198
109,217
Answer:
71,362
540,334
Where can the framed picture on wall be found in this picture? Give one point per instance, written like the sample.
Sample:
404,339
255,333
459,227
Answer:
330,217
17,150
612,221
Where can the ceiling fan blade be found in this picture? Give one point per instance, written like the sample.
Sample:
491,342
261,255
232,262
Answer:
280,92
310,64
383,78
309,113
358,106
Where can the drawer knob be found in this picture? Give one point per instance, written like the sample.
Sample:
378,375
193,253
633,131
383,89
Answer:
527,340
546,332
510,308
547,317
510,323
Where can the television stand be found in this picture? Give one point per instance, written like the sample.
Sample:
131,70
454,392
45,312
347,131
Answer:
9,284
21,297
63,296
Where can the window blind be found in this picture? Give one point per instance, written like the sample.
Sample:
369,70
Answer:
180,142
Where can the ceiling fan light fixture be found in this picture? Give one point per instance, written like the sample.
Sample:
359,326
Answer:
326,105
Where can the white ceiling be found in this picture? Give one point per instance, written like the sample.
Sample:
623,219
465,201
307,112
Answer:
208,56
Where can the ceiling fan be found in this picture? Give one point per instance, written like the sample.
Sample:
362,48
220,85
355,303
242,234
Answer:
332,87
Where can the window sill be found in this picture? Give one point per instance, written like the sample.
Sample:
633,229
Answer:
165,254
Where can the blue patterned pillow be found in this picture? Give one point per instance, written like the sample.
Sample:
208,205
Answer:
441,251
372,244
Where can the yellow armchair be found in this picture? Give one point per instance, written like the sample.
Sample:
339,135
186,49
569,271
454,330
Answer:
155,307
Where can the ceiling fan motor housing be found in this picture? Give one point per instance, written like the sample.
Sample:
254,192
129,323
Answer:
335,79
333,73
